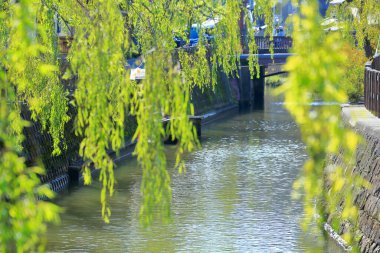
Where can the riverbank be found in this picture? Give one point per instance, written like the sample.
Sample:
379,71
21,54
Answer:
127,151
234,197
65,170
367,166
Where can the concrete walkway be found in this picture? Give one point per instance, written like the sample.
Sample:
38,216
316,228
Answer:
358,117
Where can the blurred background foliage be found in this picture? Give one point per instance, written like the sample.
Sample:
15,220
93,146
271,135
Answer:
354,77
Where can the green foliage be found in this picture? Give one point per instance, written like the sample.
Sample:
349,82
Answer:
316,70
354,78
275,81
253,58
263,10
227,47
105,97
33,68
4,25
361,18
102,93
30,70
367,25
23,218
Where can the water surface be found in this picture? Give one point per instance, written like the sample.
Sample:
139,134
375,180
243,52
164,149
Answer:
234,197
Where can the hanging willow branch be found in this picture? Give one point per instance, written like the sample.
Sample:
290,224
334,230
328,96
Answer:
105,96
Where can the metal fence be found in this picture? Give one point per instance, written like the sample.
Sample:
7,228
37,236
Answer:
281,44
372,86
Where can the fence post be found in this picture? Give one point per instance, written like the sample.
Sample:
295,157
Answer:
365,88
376,93
376,77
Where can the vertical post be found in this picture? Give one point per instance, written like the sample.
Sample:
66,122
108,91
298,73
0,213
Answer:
245,84
259,90
371,91
377,94
366,87
243,26
74,173
376,99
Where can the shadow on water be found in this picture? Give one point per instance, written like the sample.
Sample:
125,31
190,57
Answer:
234,197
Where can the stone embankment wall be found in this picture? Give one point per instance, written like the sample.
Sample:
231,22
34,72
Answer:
367,166
212,98
38,148
38,144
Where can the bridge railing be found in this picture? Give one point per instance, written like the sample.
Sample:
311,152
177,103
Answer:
372,86
281,44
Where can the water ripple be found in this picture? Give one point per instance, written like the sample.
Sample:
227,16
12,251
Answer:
235,197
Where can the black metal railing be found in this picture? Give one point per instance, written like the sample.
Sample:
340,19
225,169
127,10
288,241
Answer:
372,86
281,44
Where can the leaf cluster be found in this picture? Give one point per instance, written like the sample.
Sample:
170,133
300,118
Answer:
105,32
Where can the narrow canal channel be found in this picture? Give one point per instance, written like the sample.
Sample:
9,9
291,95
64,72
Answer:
234,197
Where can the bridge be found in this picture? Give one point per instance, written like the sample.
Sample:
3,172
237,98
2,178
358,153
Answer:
272,63
252,89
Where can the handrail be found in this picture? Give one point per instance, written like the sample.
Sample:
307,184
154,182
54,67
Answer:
281,44
372,86
376,63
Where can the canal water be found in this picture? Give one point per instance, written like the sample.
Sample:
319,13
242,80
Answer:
234,197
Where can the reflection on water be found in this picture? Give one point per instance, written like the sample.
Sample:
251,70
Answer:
234,197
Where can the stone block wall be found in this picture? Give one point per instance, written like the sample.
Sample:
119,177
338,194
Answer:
368,166
38,144
211,98
38,148
368,200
